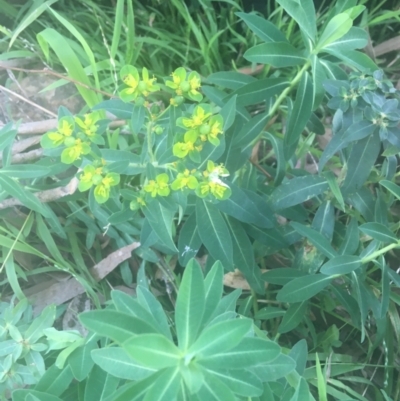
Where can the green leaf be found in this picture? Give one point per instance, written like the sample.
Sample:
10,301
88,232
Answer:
35,330
392,187
160,220
80,361
302,391
220,337
25,171
228,112
260,90
29,200
117,107
361,160
263,28
293,316
214,389
251,130
356,38
127,304
282,276
277,145
379,232
342,264
243,255
70,62
115,325
135,391
153,351
250,352
116,362
241,382
296,191
269,312
337,27
318,77
100,385
334,187
316,238
230,79
353,58
189,241
150,302
277,54
299,116
303,12
351,240
166,387
138,118
21,394
299,353
213,289
33,13
274,370
214,233
189,305
303,288
55,381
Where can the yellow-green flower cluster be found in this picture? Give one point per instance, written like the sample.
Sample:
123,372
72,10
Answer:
185,85
76,134
98,177
206,184
212,184
202,126
159,186
135,87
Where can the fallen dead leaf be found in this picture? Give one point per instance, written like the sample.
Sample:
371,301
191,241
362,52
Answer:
59,292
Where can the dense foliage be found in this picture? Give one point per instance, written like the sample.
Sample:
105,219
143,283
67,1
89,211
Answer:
223,177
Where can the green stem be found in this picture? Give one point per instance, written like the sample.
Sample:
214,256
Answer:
375,254
255,301
284,94
149,140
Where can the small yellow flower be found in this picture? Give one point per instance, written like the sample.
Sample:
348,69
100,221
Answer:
159,186
198,118
88,125
184,180
132,82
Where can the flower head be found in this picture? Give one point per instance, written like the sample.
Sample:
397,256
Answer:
74,152
136,86
199,116
88,124
65,128
185,180
159,186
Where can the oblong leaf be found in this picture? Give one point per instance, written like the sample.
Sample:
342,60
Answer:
316,238
220,337
277,54
260,90
115,325
250,352
299,116
379,232
189,305
296,191
214,233
342,264
230,79
153,351
263,28
303,288
293,316
117,362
